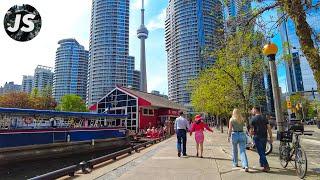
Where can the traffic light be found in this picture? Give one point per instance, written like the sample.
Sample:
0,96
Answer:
288,104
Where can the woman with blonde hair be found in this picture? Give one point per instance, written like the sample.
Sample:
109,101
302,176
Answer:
238,137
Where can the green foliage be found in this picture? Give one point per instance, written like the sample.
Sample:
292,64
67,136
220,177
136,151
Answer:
302,106
42,99
72,102
223,87
297,11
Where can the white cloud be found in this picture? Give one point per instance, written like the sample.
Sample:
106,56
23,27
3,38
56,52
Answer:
158,21
60,19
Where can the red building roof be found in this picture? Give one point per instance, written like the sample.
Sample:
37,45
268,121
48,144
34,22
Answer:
154,100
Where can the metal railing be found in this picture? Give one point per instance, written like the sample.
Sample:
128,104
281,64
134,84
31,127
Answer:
70,170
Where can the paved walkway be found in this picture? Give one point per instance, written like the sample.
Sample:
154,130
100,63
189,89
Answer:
160,161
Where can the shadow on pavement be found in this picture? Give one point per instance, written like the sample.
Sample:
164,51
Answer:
285,171
222,159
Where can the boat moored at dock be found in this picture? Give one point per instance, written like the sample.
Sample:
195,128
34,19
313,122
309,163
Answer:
31,134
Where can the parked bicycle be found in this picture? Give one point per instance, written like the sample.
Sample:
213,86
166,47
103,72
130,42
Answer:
291,150
252,146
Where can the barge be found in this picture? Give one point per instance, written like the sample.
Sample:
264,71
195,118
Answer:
27,134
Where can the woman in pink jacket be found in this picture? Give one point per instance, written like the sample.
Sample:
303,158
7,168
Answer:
198,127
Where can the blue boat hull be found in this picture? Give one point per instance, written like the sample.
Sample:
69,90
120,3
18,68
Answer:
16,138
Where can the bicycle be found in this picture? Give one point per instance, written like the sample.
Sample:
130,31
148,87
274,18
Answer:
251,146
292,151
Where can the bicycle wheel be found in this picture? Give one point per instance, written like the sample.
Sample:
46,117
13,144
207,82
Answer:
283,156
301,162
268,148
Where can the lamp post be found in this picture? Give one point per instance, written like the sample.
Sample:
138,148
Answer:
270,50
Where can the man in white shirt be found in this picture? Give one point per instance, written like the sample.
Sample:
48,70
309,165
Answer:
181,126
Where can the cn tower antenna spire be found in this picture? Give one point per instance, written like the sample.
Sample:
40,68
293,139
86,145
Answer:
143,35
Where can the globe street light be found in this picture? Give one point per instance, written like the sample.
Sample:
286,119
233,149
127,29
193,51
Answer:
270,50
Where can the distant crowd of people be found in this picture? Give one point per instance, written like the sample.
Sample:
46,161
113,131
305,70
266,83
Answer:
153,132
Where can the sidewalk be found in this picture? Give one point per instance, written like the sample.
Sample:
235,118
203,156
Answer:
161,162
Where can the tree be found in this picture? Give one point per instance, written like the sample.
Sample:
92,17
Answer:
297,11
230,82
47,101
72,102
42,99
15,100
35,100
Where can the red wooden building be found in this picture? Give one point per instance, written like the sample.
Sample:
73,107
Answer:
143,109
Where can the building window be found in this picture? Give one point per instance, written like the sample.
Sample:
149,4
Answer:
148,112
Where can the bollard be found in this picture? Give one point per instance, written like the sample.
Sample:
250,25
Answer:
83,166
68,138
71,174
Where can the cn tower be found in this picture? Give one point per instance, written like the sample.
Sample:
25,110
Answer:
142,35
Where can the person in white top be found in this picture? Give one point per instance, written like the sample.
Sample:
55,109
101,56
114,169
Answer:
181,126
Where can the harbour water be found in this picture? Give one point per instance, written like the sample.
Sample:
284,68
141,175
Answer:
29,169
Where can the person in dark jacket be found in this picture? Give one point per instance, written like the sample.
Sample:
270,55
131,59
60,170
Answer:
260,128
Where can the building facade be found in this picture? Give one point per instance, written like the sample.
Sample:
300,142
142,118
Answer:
144,110
10,87
236,13
136,80
298,72
130,71
71,69
27,84
43,77
109,48
189,27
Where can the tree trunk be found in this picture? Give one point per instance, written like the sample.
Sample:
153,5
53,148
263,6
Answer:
296,12
221,125
217,122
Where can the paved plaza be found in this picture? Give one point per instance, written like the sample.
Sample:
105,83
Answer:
160,161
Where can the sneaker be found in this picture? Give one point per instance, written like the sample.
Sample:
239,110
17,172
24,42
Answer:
179,154
184,155
246,169
235,165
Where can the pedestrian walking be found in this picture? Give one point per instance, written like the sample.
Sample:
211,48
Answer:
238,138
181,127
260,128
198,127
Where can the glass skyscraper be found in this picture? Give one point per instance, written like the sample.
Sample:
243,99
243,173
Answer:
189,28
27,83
109,48
43,77
71,69
236,14
298,72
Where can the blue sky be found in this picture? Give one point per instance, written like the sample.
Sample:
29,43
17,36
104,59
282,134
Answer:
17,59
155,44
